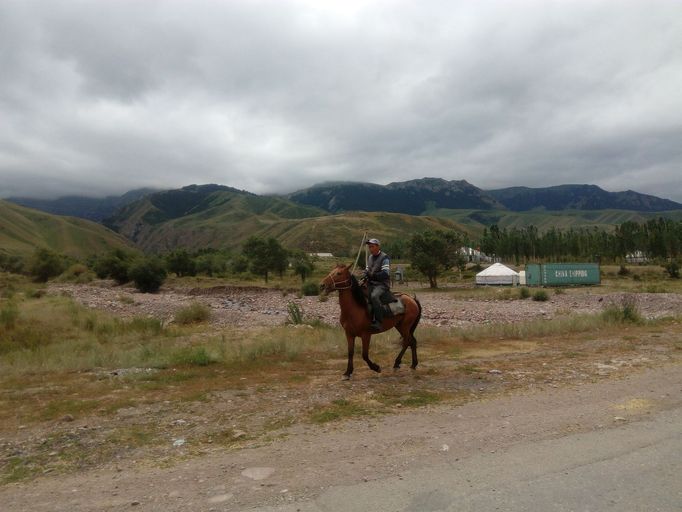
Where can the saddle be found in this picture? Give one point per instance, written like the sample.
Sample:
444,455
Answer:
391,304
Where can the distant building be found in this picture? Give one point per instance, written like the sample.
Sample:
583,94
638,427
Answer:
321,254
474,255
636,257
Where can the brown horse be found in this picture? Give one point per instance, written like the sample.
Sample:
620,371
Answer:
356,321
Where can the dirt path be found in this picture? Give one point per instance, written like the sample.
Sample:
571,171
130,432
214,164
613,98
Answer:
496,394
313,458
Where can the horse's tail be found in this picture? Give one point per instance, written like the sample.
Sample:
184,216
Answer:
419,316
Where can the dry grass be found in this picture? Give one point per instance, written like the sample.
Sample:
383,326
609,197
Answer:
60,360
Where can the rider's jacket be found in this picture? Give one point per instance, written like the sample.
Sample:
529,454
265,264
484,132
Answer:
378,269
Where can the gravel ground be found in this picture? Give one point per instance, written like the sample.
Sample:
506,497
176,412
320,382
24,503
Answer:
251,306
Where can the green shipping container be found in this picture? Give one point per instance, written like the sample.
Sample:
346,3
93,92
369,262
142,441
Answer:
563,274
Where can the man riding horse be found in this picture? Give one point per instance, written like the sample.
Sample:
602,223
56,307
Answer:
378,277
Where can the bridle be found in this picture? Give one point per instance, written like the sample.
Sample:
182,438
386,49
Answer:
337,284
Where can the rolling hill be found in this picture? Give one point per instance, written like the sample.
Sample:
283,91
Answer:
476,220
22,230
201,216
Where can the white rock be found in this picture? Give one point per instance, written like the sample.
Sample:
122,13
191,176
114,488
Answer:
258,473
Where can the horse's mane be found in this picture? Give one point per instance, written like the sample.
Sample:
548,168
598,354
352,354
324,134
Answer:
357,292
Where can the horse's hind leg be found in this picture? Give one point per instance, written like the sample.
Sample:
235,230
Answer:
365,353
413,346
399,359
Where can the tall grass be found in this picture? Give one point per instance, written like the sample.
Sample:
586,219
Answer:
625,312
195,313
56,334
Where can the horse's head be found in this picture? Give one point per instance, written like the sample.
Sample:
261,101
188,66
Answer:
338,279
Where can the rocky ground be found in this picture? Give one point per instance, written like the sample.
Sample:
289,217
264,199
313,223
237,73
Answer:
255,435
253,306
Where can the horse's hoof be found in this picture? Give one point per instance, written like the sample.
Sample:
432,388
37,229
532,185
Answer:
345,377
396,368
377,369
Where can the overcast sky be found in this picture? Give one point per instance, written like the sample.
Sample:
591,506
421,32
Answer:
99,97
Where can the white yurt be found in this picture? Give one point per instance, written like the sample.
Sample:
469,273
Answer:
498,274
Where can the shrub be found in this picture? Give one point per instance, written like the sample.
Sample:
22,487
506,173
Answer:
623,271
8,315
524,293
77,273
13,264
673,269
181,263
114,265
626,312
310,289
540,296
193,356
295,315
193,314
46,264
148,274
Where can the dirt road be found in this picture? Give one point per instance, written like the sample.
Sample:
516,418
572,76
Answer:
331,467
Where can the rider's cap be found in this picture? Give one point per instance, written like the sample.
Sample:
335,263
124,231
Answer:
373,241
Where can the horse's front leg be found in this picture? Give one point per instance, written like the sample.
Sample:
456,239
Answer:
351,350
365,353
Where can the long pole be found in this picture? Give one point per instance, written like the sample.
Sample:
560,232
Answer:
355,263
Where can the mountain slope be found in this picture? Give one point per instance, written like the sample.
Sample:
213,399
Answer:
476,220
22,230
91,208
412,197
579,197
215,216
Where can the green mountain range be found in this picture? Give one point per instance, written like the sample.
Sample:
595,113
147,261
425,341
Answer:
216,216
91,208
329,217
22,230
428,194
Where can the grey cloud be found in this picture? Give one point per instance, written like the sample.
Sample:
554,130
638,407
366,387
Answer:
274,95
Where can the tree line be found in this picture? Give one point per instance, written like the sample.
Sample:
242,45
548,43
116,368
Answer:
431,253
658,239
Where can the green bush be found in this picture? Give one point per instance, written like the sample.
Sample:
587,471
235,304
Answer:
148,274
9,315
193,356
540,296
46,264
13,264
77,273
524,293
295,315
673,269
310,289
193,314
114,265
626,312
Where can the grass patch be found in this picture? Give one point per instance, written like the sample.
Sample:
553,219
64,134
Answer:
195,313
540,296
337,410
415,398
625,312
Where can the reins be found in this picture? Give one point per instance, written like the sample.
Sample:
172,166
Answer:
336,284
